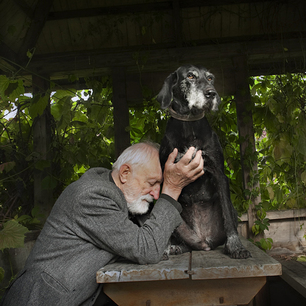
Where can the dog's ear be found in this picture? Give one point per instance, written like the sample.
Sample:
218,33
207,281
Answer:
165,95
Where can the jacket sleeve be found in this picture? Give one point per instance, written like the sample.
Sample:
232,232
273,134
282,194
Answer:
101,217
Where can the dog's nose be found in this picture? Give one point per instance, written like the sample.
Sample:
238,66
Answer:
210,94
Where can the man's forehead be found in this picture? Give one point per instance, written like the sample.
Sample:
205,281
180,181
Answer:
153,170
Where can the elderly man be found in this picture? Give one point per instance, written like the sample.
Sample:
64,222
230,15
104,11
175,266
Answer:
90,226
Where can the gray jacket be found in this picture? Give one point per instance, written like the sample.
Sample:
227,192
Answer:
89,227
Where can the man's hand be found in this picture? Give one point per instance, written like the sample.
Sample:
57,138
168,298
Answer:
180,174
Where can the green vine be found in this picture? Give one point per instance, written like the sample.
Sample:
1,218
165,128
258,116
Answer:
83,137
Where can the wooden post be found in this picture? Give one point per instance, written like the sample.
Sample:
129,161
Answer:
246,132
43,197
121,111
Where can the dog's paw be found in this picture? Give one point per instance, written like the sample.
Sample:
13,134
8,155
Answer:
240,253
205,246
165,256
166,252
175,250
235,249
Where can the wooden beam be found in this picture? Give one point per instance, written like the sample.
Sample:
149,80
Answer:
40,16
110,10
139,7
213,56
177,23
121,111
246,133
7,53
41,145
25,8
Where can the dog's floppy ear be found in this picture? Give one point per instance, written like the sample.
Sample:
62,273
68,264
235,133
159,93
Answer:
165,95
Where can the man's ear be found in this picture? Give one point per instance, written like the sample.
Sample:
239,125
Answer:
124,172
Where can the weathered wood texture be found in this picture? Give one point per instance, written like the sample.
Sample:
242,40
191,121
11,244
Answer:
216,265
121,111
294,273
244,107
89,37
197,278
186,292
174,268
198,265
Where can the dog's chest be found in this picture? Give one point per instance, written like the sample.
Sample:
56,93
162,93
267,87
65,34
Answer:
190,134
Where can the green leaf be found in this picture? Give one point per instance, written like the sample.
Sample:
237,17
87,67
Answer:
277,152
49,182
23,218
271,192
11,87
301,258
38,105
301,146
4,83
12,235
42,164
62,93
7,166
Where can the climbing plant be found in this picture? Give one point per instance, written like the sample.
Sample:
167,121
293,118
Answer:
280,123
83,137
279,119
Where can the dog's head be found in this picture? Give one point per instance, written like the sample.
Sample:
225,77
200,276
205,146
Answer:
189,89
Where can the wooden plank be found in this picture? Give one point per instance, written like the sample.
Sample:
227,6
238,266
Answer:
204,265
294,273
43,197
281,214
174,268
287,214
166,59
215,264
35,28
244,105
121,110
186,292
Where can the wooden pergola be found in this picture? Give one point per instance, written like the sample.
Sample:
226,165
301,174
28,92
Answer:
139,42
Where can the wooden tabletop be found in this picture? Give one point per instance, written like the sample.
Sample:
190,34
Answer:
195,265
191,279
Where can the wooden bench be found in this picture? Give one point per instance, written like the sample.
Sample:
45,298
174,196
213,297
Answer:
196,278
294,273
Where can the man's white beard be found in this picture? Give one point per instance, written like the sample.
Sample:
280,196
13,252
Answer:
140,206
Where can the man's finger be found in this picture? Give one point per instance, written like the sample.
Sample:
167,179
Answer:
197,160
188,155
172,156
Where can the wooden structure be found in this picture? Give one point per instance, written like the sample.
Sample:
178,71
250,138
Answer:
139,42
197,278
294,274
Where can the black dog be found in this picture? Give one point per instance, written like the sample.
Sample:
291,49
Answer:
210,218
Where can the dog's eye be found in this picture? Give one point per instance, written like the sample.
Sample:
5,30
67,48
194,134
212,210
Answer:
209,78
190,76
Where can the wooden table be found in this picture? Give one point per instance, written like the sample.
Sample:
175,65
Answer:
197,278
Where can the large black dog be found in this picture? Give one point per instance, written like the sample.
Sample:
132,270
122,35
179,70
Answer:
210,218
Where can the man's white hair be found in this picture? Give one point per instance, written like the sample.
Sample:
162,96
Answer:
139,153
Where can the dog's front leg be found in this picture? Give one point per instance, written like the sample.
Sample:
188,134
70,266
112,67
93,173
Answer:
233,245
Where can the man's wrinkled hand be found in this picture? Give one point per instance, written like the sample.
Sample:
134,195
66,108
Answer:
180,174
